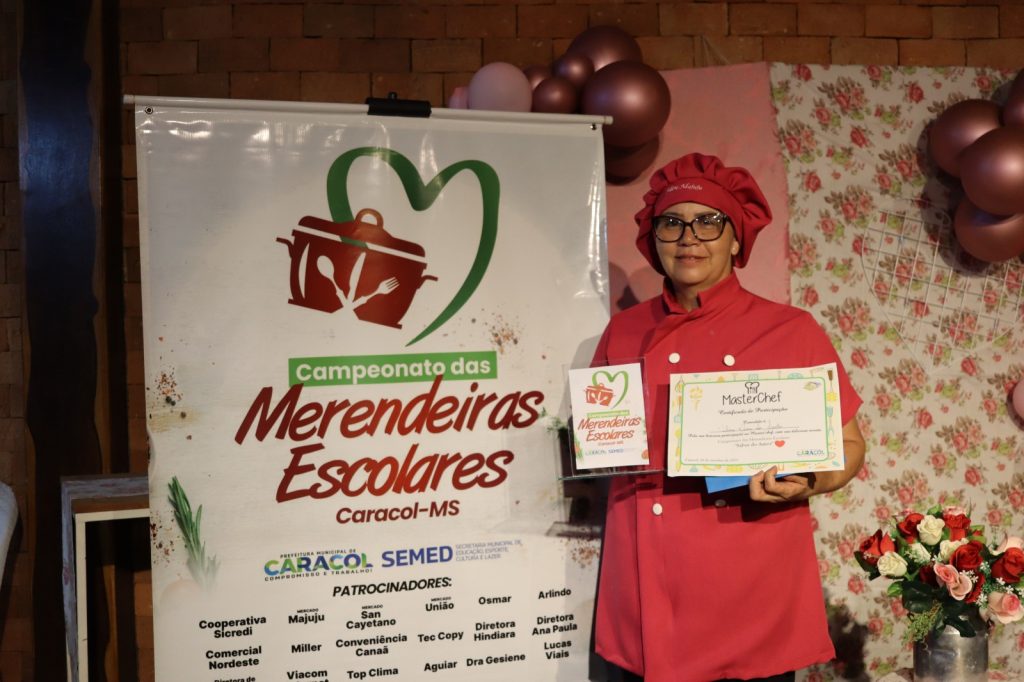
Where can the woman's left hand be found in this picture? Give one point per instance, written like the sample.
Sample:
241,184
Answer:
764,487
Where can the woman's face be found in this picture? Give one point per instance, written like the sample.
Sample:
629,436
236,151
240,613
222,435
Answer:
693,265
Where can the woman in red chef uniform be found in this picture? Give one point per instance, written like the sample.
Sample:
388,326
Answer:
694,586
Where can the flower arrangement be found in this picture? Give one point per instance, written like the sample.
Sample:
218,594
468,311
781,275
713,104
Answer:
944,572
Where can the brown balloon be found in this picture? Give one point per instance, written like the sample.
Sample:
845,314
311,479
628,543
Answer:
535,74
992,171
575,68
555,95
987,237
1013,110
605,45
623,164
634,95
958,127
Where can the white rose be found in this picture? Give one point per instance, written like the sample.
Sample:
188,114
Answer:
919,553
947,547
892,565
930,529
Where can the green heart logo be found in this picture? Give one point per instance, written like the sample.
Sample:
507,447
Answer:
421,197
595,380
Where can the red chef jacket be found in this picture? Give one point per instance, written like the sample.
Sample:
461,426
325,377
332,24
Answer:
697,586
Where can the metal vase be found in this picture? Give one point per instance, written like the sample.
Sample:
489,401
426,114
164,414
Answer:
945,656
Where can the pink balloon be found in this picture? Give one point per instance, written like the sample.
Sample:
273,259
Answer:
1013,110
992,171
988,237
958,127
459,98
500,86
1018,398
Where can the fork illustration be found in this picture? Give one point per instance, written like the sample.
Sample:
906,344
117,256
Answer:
385,287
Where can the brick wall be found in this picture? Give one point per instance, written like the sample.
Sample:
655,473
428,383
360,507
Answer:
16,607
345,52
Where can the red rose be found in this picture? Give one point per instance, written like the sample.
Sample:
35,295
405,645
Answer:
958,525
915,93
967,557
803,72
908,526
927,574
1009,566
975,592
875,546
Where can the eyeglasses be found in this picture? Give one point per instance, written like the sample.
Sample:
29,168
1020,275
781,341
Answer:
706,228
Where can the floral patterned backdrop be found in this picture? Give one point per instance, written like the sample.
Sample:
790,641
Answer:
932,339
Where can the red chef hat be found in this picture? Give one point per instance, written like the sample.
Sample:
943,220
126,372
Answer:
705,180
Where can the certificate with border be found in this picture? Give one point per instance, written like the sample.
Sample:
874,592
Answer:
739,423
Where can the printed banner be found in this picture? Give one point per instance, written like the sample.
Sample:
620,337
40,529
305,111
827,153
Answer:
355,329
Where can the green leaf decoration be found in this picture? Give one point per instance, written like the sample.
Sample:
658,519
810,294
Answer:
202,567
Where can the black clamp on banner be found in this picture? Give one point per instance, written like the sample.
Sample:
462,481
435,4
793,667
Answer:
392,106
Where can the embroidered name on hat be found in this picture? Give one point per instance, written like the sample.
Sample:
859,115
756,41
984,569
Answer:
685,185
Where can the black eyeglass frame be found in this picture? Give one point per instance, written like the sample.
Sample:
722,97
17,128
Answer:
689,224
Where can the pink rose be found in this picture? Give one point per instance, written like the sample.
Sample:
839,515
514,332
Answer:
972,476
858,245
905,169
812,182
1010,541
1006,608
874,72
883,401
857,137
946,574
924,418
802,71
906,495
938,459
793,145
960,441
845,323
958,584
990,406
849,210
845,550
859,358
915,93
1016,498
843,100
903,384
994,516
823,115
810,296
921,309
968,367
875,626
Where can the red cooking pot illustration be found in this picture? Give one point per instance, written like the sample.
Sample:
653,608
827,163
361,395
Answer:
356,267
